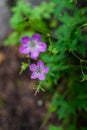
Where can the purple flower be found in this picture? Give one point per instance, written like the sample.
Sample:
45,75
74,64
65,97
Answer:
39,70
32,46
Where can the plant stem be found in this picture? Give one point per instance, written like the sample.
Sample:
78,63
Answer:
76,56
39,30
50,41
80,60
45,120
82,70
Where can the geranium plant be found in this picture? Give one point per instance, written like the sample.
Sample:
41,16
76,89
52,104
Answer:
60,57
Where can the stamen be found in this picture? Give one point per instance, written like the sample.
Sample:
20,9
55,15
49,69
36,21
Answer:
32,44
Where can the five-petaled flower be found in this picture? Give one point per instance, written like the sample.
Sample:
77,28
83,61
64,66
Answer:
38,71
32,46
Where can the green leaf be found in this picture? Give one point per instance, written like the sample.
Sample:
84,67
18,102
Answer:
24,66
51,127
13,39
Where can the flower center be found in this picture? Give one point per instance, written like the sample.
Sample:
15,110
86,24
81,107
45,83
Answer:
32,44
39,70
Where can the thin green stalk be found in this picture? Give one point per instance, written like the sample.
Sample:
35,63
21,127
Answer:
28,59
82,70
39,30
45,120
50,41
85,24
81,61
39,87
76,56
36,29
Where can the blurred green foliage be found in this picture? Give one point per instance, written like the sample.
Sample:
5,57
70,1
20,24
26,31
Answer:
1,104
51,127
66,55
70,102
37,17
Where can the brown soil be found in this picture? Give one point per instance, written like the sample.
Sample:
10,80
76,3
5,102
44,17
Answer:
20,109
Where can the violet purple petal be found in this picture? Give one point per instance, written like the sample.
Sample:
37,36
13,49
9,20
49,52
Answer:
46,69
40,64
41,77
34,55
34,76
36,37
32,67
25,40
24,49
42,46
